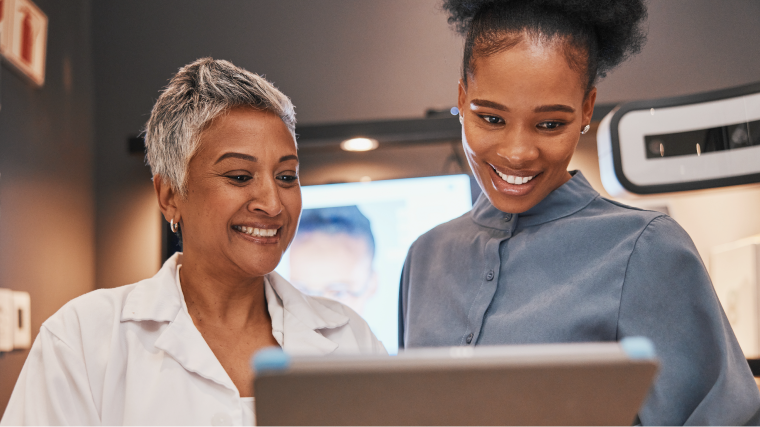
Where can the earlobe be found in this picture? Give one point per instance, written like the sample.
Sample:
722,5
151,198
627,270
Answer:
461,98
588,105
166,199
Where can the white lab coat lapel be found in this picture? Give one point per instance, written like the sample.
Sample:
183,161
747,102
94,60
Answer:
160,299
297,319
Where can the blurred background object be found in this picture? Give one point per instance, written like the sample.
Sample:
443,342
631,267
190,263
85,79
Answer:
736,276
693,142
353,239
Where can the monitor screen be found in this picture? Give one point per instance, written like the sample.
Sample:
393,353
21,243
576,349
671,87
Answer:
353,239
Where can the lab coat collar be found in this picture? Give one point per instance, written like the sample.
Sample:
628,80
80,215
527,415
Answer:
156,298
160,299
297,318
566,200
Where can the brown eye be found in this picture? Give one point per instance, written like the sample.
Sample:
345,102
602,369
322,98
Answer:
288,178
550,125
239,178
494,120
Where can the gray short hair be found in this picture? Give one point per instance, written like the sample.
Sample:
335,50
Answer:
198,93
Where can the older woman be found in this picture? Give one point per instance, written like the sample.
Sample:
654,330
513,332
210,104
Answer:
542,258
175,348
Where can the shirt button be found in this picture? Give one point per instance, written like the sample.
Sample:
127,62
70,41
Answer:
469,338
221,419
508,217
489,275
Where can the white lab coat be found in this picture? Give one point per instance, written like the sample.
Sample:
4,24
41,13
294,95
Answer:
132,355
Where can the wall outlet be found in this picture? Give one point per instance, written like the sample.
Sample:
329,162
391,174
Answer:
7,320
22,331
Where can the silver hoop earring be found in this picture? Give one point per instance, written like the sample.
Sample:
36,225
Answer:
585,129
461,119
173,226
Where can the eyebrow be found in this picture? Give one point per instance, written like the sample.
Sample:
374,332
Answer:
488,104
236,156
252,158
553,108
540,109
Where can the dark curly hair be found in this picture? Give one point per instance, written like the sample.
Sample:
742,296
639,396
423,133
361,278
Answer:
598,34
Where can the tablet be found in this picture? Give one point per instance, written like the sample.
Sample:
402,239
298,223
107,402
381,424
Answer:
546,384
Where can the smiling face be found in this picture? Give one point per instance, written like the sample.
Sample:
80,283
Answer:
523,110
243,197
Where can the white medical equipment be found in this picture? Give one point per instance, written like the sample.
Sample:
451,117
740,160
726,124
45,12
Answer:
684,143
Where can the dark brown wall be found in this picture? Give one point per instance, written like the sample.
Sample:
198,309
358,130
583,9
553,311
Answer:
47,208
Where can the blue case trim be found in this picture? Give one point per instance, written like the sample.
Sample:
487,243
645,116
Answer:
638,347
270,359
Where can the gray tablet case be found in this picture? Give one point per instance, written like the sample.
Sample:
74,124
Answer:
550,384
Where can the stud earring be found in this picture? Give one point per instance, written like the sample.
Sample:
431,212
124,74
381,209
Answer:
585,129
173,226
461,119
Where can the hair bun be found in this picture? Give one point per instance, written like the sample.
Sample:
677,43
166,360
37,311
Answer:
461,12
616,26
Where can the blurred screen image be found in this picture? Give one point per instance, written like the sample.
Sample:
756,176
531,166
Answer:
353,239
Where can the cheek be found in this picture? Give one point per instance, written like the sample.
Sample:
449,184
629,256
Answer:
291,202
560,152
473,145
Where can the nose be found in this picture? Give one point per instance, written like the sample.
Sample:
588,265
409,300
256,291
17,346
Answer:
266,197
518,146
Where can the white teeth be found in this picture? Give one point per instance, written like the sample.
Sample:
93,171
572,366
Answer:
517,180
260,232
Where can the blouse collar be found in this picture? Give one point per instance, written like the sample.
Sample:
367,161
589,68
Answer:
566,200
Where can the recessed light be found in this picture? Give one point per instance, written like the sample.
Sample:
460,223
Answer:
359,144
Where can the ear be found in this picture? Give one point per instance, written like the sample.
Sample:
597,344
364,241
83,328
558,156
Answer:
167,199
462,99
588,107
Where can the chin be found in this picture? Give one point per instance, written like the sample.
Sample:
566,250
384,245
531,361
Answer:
508,205
258,266
514,204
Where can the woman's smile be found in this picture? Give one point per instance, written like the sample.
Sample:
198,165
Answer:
259,233
514,183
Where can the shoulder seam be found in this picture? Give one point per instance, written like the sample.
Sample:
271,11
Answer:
50,331
627,265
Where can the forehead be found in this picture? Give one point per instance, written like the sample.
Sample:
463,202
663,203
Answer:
532,72
245,129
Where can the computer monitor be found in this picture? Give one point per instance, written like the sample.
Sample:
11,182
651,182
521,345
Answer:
353,239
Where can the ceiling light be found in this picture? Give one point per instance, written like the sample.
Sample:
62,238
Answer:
359,144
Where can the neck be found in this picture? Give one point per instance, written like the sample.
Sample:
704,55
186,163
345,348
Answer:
217,298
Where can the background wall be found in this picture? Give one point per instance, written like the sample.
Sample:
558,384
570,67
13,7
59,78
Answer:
47,209
338,60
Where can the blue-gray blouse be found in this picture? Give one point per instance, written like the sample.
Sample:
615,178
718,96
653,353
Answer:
578,268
